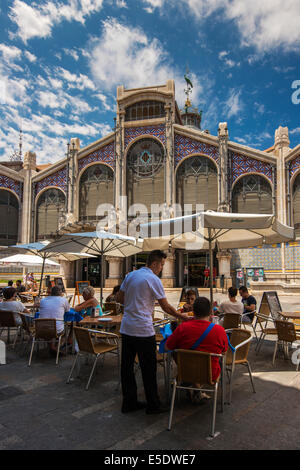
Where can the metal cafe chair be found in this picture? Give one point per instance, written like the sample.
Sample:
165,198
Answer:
286,334
263,321
195,367
86,345
240,339
45,331
8,320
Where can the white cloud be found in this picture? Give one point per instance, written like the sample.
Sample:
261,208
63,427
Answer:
30,57
234,104
265,25
126,56
34,20
295,131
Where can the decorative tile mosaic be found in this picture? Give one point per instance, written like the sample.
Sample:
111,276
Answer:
184,146
241,165
268,257
9,183
58,179
132,133
105,154
294,165
292,256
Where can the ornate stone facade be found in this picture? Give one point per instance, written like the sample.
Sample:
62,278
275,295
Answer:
279,166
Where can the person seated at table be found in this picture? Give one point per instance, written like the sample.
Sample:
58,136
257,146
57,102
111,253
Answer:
113,296
90,302
231,305
190,299
20,287
54,306
10,303
186,335
249,303
9,284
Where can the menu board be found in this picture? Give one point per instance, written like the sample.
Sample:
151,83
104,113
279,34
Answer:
80,285
270,305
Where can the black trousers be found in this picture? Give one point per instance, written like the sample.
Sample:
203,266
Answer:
145,349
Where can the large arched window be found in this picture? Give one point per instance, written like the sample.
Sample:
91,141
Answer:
145,173
252,194
96,187
145,110
197,183
296,205
9,218
50,208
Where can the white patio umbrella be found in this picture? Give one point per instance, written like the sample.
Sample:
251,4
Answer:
206,229
36,247
26,260
95,243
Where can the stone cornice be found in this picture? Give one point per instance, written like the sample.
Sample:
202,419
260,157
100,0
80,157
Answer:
293,153
197,135
49,171
11,173
250,152
97,145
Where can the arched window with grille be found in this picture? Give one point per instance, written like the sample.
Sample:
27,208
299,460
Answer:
9,218
296,205
96,187
145,173
51,206
252,194
145,110
197,183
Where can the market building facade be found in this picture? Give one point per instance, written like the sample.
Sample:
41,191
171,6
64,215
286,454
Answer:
157,154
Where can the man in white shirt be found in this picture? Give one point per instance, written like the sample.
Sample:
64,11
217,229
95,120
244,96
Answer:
10,303
231,305
138,293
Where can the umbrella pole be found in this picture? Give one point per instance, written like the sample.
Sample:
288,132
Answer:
42,274
211,272
101,285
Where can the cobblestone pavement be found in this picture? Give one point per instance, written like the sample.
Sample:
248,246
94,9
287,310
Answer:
38,410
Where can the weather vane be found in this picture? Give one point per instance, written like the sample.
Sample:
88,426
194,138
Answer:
188,89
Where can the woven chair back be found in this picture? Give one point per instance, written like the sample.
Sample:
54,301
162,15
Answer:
286,331
45,328
7,319
84,340
237,337
194,367
231,320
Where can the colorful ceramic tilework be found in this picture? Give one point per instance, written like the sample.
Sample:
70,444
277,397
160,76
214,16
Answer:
132,133
268,256
292,256
58,179
184,146
9,183
241,164
105,154
294,165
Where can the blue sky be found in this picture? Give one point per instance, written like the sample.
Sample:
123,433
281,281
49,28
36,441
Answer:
61,61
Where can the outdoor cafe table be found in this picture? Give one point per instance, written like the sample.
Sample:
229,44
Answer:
291,315
114,320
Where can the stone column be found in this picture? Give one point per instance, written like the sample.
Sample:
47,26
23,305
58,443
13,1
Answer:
168,273
169,167
72,171
29,170
223,202
224,258
282,143
115,271
67,272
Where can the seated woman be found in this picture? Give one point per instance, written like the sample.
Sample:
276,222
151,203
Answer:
113,296
10,303
190,299
90,302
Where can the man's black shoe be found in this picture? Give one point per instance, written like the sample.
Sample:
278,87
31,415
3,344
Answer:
156,411
139,405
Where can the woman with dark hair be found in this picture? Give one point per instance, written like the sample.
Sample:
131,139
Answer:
113,296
